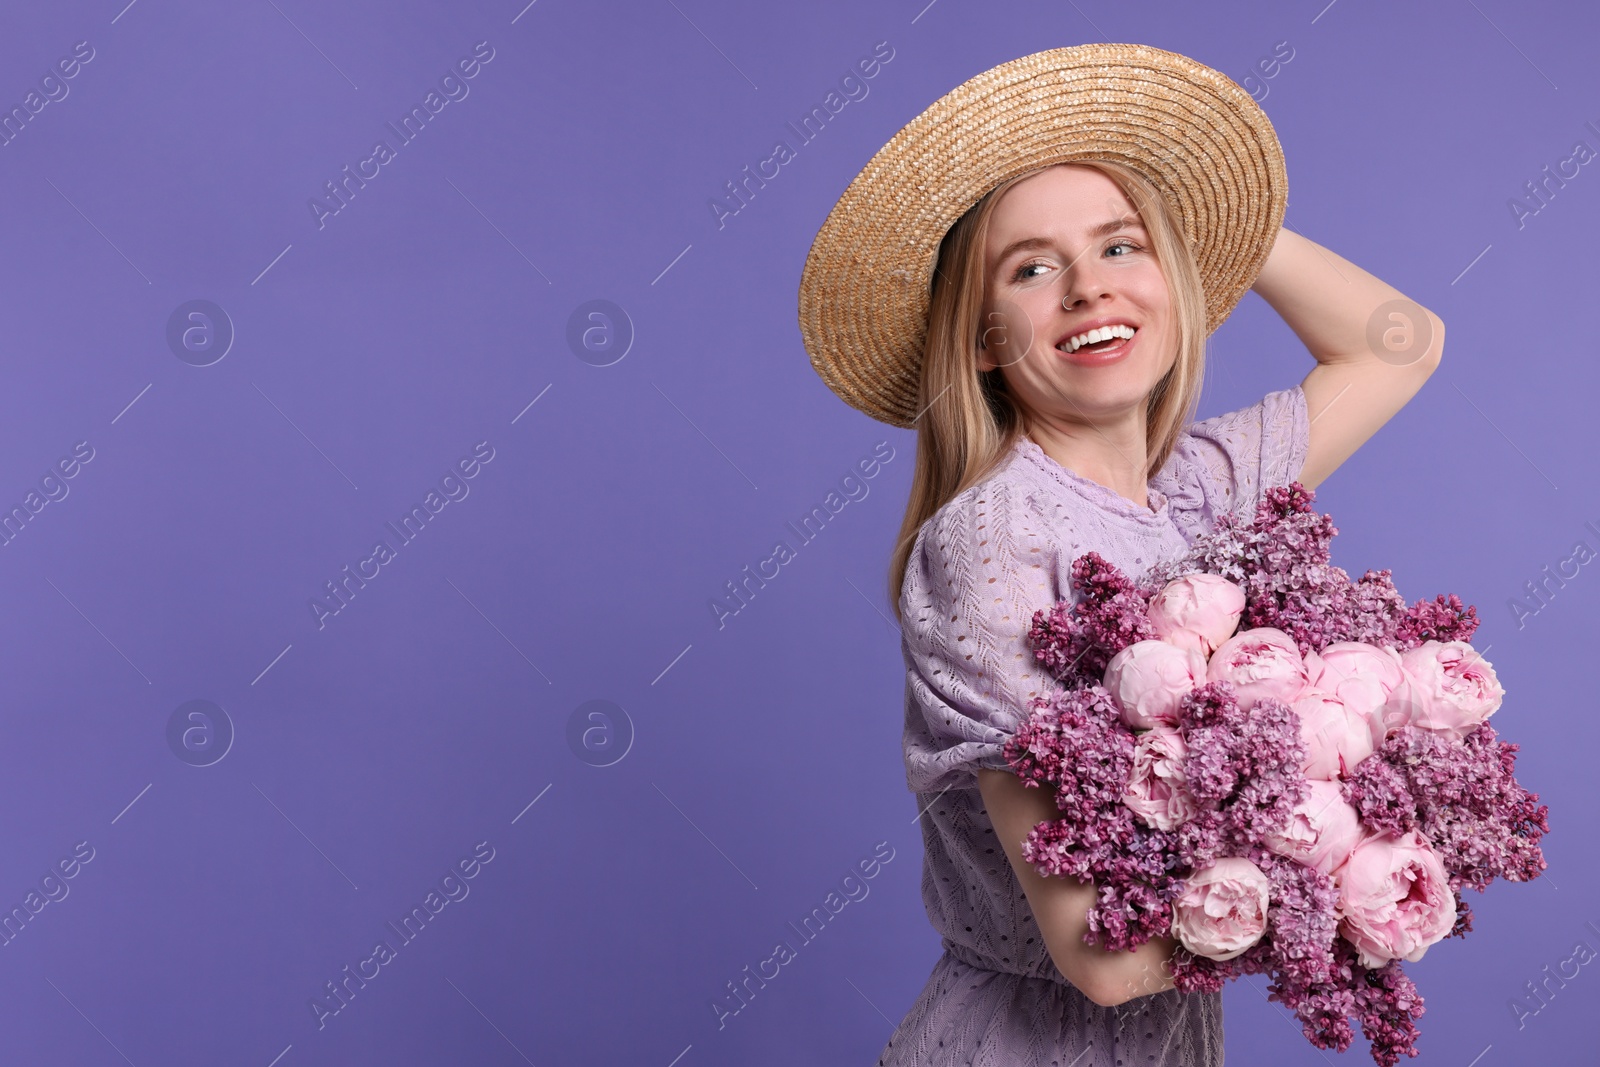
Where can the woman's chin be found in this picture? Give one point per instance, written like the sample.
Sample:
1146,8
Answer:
1104,390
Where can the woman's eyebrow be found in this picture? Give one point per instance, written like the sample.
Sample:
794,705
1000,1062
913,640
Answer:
1104,229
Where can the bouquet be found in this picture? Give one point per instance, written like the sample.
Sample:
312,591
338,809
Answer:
1289,772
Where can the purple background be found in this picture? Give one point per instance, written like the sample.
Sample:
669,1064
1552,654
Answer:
759,761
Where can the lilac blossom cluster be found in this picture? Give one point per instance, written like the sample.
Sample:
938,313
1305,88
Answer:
1182,758
1243,770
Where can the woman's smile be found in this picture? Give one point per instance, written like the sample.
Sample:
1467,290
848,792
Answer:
1099,353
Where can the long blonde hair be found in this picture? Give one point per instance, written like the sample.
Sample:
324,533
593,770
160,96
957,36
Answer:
969,422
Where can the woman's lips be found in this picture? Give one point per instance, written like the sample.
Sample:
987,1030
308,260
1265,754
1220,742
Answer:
1085,358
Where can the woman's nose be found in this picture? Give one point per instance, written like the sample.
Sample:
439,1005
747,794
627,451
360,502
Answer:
1077,296
1081,282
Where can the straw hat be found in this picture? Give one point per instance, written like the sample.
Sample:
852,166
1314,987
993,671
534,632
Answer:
1200,139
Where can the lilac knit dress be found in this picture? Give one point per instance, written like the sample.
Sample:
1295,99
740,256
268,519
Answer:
980,568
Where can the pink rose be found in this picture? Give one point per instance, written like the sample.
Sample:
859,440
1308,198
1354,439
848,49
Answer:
1337,736
1445,686
1321,830
1362,675
1262,662
1222,910
1394,898
1148,678
1157,790
1197,611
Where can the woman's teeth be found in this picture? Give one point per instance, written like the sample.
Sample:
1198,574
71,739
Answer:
1094,337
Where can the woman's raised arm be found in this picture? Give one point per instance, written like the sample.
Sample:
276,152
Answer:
1374,346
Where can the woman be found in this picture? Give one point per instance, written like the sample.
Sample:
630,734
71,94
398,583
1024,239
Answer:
1053,361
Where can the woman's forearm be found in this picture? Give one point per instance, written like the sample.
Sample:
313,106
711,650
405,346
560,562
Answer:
1329,302
1139,972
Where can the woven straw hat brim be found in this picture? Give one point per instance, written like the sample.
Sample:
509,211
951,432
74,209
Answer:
1197,135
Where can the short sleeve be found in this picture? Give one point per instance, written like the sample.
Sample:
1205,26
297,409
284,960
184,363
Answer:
1227,462
979,570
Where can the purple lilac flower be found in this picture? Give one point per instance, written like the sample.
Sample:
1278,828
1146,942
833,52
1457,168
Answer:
1075,643
1380,795
1468,803
1388,1005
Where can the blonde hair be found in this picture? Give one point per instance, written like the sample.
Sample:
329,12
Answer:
969,422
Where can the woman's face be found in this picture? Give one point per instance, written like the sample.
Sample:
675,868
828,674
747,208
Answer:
1046,251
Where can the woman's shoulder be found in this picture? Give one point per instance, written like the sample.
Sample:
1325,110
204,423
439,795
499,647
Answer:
1005,502
1276,411
1002,534
1226,462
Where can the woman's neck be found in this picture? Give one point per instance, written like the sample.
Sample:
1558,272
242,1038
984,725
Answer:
1112,456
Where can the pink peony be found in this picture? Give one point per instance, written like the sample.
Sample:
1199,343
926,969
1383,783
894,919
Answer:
1362,675
1394,898
1337,736
1198,611
1445,686
1262,662
1148,678
1222,910
1322,829
1157,790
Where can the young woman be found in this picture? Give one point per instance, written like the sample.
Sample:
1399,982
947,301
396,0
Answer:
1053,363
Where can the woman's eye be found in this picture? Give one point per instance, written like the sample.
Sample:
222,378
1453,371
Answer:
1021,273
